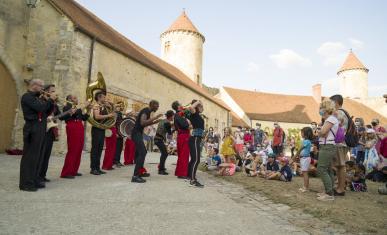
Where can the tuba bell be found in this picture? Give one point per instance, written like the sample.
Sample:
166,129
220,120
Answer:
99,84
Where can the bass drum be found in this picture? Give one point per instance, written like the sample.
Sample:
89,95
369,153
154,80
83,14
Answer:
125,127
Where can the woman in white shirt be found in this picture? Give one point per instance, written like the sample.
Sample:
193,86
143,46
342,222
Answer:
327,148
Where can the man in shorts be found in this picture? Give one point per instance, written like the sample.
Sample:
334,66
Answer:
342,148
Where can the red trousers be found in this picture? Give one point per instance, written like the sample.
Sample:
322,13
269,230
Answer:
130,149
75,140
110,150
182,153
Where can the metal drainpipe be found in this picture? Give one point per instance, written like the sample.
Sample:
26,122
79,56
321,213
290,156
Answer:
88,82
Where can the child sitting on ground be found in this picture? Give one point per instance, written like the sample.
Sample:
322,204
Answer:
253,164
213,160
271,167
350,173
304,153
284,174
227,169
227,149
286,171
358,182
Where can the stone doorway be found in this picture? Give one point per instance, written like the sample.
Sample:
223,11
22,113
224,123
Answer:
8,104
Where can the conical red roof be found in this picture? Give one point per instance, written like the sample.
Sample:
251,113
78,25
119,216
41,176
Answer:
183,23
352,62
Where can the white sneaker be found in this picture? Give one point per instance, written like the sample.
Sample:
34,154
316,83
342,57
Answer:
326,198
303,190
320,194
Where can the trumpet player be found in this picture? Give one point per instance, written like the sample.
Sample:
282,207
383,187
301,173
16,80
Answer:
100,113
51,136
36,107
120,139
75,136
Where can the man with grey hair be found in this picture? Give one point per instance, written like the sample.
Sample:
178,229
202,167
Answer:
36,106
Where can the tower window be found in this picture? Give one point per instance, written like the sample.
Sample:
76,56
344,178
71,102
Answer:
197,78
166,46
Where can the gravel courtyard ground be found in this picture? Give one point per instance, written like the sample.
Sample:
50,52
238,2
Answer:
110,204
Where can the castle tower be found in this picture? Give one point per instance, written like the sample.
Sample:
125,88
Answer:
182,46
353,78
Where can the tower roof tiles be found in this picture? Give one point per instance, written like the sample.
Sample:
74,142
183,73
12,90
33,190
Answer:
183,23
352,62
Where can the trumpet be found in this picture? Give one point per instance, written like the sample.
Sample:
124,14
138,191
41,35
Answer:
45,94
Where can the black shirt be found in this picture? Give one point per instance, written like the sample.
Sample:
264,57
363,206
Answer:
197,121
55,111
272,167
76,116
180,122
35,108
138,128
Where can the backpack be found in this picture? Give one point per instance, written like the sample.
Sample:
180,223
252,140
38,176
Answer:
340,135
351,136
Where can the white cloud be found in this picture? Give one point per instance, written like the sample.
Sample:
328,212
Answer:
333,52
356,44
287,58
253,67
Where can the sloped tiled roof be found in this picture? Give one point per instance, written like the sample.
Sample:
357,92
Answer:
236,121
352,62
91,25
291,108
183,23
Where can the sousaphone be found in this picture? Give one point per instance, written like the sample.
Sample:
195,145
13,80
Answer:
108,123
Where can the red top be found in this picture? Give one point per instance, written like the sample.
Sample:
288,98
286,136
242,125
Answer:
248,138
277,136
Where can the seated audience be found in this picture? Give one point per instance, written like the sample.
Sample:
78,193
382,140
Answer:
227,169
213,160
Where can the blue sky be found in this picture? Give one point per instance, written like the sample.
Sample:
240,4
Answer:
273,46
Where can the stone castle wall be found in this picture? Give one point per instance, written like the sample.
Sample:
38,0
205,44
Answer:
58,53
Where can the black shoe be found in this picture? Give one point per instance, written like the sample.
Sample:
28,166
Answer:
138,179
118,164
46,180
195,183
95,172
335,193
145,175
67,177
40,185
182,177
163,172
78,174
101,172
29,189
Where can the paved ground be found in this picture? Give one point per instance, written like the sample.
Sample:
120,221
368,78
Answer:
110,204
